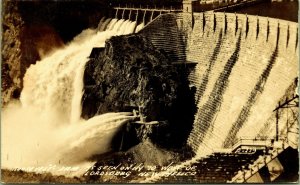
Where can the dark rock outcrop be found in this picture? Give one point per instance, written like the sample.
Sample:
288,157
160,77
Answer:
130,72
11,53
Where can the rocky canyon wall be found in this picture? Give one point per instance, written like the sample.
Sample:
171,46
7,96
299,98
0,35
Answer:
12,25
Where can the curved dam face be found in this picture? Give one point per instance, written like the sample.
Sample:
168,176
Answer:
244,66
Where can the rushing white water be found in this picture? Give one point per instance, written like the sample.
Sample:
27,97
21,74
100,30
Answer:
139,27
44,129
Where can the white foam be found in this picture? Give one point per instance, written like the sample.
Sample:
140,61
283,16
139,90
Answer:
45,127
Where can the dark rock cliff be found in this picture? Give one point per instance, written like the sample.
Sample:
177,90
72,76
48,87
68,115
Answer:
12,25
129,72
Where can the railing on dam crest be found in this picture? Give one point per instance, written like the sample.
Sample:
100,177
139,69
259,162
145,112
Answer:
142,14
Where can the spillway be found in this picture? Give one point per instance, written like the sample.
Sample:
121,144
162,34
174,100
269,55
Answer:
45,127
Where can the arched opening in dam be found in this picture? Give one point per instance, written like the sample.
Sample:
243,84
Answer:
150,96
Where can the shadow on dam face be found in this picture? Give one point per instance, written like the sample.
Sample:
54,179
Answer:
259,87
211,107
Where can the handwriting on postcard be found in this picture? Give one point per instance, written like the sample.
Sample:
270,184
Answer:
141,170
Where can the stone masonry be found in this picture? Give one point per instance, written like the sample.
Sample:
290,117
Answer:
245,64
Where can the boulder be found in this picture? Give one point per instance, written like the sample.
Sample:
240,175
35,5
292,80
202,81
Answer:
129,72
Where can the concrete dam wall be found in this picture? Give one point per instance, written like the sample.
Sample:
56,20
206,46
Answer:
245,64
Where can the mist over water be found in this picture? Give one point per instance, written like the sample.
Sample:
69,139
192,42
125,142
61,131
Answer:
44,128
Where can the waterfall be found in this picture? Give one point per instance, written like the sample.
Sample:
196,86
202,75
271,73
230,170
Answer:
44,128
139,27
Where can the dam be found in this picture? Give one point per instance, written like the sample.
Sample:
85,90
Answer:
241,74
278,39
243,65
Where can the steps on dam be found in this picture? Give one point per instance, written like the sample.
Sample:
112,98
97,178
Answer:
218,167
166,37
277,162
